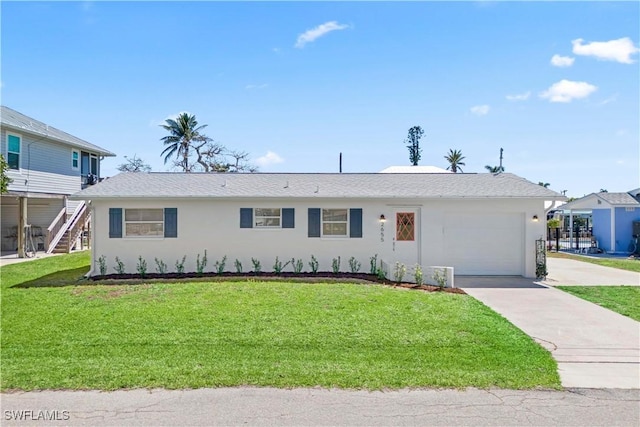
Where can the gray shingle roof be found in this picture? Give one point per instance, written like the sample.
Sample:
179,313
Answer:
300,185
618,198
16,120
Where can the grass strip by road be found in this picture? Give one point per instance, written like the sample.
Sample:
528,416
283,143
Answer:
214,334
621,263
621,299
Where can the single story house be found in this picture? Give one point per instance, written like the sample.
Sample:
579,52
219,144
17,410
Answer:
612,217
480,224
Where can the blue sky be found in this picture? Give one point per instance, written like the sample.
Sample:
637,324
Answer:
556,85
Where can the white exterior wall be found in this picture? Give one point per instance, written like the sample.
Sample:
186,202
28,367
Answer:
215,225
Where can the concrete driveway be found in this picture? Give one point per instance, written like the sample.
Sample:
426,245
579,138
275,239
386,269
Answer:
594,347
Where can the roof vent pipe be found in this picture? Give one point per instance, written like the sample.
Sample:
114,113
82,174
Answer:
340,162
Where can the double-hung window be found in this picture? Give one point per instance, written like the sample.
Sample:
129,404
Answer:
335,222
267,217
144,222
14,145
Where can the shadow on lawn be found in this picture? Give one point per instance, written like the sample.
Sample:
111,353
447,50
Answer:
70,277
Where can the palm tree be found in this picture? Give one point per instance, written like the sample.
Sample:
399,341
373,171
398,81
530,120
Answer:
455,158
182,132
543,184
494,169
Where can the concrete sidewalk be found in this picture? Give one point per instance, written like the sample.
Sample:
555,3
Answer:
594,347
564,271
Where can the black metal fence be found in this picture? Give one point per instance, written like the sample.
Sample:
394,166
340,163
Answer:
579,240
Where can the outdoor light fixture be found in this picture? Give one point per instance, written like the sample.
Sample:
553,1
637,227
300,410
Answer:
382,218
535,218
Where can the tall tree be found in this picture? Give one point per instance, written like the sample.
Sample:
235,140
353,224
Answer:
183,132
413,144
543,184
455,159
134,164
603,190
494,169
4,178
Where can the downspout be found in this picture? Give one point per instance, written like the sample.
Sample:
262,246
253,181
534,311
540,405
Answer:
93,240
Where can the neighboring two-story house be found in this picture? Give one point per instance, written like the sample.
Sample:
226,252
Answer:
46,166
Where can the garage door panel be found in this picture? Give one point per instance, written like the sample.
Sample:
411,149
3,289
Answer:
489,243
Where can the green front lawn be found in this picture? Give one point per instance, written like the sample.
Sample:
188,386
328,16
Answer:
621,299
621,263
212,334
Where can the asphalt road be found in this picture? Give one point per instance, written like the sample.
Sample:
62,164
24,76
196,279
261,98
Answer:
320,407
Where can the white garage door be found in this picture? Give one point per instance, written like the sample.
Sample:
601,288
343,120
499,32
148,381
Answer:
485,244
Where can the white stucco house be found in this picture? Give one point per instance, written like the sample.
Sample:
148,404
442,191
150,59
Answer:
480,224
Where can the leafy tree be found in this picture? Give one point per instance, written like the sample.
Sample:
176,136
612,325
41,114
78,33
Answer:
543,184
413,144
603,190
183,132
494,169
134,164
455,159
4,179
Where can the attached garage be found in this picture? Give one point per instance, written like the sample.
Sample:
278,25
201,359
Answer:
485,243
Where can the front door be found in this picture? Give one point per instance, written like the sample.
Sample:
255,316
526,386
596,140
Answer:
406,238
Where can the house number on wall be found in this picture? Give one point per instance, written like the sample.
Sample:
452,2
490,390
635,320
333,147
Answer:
382,231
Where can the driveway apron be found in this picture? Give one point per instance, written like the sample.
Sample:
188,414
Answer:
594,347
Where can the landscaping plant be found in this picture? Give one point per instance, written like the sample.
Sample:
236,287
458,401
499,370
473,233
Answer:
335,265
313,264
399,271
278,266
440,278
200,265
180,265
238,265
257,266
354,265
373,263
220,265
141,267
102,265
297,265
161,267
119,266
417,274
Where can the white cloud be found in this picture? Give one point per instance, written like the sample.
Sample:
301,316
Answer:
269,159
619,50
562,61
609,100
480,110
262,86
519,96
567,91
319,31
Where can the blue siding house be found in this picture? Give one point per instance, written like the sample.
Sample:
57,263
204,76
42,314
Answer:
613,215
46,166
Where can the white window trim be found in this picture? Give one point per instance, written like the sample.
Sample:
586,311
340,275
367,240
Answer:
19,154
73,150
334,236
124,224
266,227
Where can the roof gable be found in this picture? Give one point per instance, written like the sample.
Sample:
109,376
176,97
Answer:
13,119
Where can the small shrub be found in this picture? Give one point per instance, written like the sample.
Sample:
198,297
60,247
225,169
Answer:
354,265
161,267
141,267
278,266
399,271
200,265
257,266
380,272
417,274
238,265
180,265
297,265
220,265
335,265
314,264
102,265
440,278
119,266
373,264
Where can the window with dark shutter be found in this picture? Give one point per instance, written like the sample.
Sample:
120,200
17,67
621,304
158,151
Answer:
115,223
170,222
314,222
246,218
355,222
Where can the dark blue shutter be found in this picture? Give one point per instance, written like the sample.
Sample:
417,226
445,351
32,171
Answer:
288,218
355,222
246,218
314,222
115,223
170,222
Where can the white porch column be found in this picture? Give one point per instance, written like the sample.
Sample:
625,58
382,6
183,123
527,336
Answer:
22,225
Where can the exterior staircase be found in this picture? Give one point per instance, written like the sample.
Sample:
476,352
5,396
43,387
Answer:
63,233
